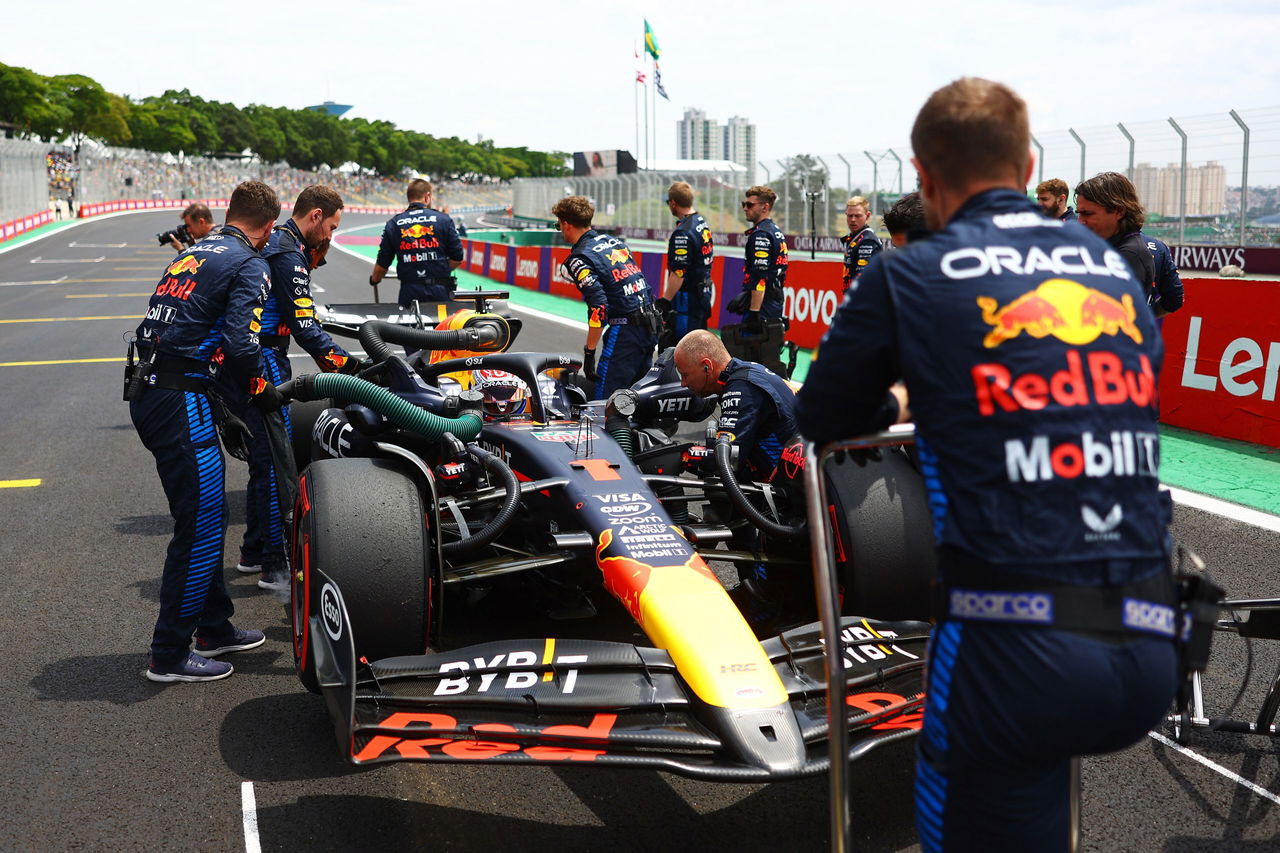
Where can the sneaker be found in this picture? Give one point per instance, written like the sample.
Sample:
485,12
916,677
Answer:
276,580
237,641
247,568
191,668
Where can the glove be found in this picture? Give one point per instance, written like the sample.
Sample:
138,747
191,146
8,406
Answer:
264,396
740,303
751,321
589,364
664,306
235,435
372,283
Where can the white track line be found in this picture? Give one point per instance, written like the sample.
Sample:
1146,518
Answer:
1226,509
1234,777
249,814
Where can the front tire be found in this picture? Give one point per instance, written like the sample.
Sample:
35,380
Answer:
360,522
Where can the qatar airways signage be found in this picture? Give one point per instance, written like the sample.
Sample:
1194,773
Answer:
1222,360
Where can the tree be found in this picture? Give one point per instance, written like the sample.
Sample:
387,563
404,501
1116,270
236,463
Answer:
25,102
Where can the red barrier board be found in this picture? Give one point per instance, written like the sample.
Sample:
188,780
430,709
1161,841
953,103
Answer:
813,292
561,286
527,267
499,256
1222,358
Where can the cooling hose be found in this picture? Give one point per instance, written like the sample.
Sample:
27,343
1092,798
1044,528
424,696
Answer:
487,334
739,499
500,470
398,411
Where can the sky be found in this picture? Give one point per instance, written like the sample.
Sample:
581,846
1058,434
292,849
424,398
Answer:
815,77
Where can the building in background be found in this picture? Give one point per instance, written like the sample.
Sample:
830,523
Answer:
701,138
1159,188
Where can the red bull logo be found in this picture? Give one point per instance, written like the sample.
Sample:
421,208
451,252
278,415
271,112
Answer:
416,231
1065,309
619,256
185,264
626,577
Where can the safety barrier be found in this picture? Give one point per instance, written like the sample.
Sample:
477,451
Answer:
99,208
21,225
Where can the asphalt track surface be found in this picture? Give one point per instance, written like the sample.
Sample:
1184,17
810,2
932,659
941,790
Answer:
98,758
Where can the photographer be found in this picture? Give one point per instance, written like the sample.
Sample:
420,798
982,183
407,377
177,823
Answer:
197,222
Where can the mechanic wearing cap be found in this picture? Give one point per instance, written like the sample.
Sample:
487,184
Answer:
1166,296
861,243
686,295
425,246
1051,195
758,413
1033,388
765,263
289,314
203,321
621,318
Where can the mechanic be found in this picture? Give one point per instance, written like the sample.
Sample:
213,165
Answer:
1167,295
905,220
1051,195
686,294
861,243
425,246
289,314
765,275
1044,526
620,306
758,413
197,222
1107,204
202,321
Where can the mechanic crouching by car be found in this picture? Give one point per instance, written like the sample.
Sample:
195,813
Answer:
1032,385
757,413
202,321
621,318
425,246
289,314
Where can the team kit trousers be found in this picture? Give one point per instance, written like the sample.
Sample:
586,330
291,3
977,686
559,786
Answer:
1007,707
178,428
626,354
264,533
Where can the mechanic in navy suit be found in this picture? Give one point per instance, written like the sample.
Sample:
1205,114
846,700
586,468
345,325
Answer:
425,246
202,322
1166,296
686,294
1051,195
289,314
861,243
1107,204
1030,365
765,269
621,318
758,413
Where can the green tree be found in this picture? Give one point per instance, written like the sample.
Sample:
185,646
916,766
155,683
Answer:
85,101
25,101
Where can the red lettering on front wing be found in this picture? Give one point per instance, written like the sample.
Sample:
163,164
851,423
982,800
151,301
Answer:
474,749
878,703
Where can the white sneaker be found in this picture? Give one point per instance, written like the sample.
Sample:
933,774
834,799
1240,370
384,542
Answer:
248,570
276,580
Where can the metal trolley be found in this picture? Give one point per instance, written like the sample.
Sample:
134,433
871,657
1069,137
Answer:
827,590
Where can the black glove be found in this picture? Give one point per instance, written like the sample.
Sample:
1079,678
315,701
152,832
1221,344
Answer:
751,321
740,303
589,364
352,366
663,305
235,436
372,283
267,398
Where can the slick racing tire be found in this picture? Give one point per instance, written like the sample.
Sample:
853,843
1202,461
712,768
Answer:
359,521
885,547
304,415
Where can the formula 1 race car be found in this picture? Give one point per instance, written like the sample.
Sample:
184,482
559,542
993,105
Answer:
489,567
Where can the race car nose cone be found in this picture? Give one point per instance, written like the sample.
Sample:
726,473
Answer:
764,737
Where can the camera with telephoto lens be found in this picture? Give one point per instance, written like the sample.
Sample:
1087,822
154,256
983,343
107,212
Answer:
182,234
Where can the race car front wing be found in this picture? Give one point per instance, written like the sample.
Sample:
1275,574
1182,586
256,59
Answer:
613,704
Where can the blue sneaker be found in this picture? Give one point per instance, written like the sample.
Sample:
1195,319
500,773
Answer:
236,641
190,668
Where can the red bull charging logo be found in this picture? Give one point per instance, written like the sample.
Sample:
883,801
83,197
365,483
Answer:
619,256
1071,312
185,264
416,231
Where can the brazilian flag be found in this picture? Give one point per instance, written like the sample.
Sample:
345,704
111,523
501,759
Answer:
651,41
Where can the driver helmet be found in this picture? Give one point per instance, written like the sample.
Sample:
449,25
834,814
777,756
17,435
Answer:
505,394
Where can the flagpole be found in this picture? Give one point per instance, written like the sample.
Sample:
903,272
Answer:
635,96
645,96
653,96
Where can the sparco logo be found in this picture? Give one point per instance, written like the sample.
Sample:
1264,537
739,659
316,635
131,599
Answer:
1145,616
331,611
1002,606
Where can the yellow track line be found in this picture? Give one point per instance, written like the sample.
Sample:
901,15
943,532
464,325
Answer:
66,319
119,360
19,484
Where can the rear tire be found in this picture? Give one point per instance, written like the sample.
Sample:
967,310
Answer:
886,531
359,521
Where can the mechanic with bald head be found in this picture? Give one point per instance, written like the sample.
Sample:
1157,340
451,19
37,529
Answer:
1030,362
621,318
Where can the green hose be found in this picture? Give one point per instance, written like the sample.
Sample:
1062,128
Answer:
398,411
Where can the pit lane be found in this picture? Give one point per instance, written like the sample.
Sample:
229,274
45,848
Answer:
99,758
